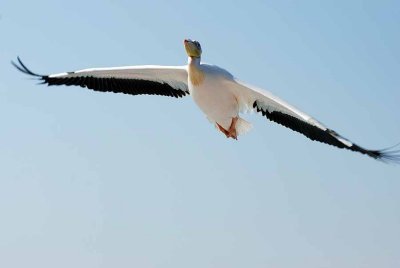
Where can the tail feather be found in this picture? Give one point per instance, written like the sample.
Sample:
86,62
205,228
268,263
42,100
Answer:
242,126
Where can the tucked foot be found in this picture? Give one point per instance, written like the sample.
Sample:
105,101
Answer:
231,133
223,130
232,129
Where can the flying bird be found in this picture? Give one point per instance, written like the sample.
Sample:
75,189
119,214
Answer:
220,96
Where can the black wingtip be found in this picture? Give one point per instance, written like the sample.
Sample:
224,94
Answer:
389,155
22,68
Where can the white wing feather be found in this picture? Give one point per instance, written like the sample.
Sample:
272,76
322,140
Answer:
175,76
247,95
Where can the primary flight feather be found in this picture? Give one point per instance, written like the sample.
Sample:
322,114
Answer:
215,91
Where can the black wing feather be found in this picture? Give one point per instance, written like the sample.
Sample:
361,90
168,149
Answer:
327,136
111,84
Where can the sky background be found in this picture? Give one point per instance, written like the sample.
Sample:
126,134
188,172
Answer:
90,179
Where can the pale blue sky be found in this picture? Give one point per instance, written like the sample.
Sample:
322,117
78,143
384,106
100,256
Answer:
90,179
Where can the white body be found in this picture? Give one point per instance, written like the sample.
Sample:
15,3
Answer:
213,96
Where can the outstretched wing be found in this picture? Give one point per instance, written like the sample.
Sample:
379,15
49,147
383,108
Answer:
134,80
279,111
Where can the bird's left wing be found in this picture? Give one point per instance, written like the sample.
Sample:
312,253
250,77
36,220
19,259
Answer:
279,111
134,80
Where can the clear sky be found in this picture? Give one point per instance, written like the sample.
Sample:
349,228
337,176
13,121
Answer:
90,179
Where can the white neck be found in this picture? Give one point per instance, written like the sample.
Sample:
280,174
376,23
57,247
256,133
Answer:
196,75
194,61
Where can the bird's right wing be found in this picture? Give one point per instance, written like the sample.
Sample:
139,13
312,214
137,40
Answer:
134,80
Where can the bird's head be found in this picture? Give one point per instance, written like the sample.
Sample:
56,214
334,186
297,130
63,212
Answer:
193,48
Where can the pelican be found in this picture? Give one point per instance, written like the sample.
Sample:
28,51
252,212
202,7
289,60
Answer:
218,94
